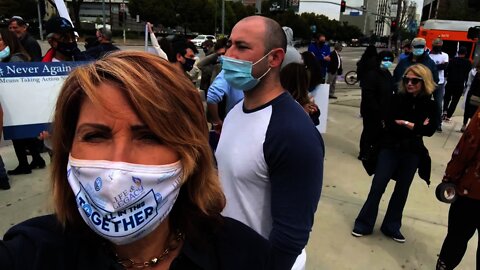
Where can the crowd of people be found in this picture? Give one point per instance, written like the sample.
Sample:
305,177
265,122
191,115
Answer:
141,180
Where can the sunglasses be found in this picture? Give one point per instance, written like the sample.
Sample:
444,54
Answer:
413,80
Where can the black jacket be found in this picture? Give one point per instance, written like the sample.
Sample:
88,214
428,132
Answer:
41,243
333,64
457,70
32,47
100,50
377,90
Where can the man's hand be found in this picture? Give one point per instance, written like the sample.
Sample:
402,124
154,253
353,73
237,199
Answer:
217,126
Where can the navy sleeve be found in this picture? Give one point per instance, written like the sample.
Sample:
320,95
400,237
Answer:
294,152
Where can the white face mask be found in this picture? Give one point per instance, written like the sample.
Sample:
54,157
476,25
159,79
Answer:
123,202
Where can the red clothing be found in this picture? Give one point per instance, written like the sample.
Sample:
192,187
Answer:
464,167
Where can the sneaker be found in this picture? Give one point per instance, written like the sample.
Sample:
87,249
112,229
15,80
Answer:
358,233
397,237
332,97
464,127
447,120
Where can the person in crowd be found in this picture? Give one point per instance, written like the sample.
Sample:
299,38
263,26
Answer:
463,219
29,43
105,44
321,51
210,64
441,61
184,53
221,98
313,68
368,61
411,116
294,78
291,55
131,188
14,52
419,55
335,68
270,155
457,71
161,50
207,47
407,49
11,51
377,90
473,86
61,37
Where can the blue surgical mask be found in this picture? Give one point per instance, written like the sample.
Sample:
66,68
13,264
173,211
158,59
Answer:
418,52
238,73
5,53
385,64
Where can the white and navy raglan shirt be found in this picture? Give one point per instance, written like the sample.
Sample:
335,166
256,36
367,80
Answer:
270,163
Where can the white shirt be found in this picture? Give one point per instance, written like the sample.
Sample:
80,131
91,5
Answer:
440,59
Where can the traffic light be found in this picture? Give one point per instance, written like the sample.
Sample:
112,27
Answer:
393,26
343,5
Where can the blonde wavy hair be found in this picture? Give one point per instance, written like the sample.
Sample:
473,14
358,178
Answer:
168,103
428,85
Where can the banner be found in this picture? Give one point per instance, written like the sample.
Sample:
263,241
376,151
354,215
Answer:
320,95
28,93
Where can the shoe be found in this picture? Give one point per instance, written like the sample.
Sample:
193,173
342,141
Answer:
464,127
37,164
19,170
4,183
447,120
439,129
332,97
397,237
358,233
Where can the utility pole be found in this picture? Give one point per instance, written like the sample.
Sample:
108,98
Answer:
104,15
397,31
223,17
39,20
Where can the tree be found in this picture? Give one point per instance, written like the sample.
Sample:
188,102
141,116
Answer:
27,9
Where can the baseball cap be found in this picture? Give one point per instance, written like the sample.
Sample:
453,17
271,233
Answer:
58,25
418,42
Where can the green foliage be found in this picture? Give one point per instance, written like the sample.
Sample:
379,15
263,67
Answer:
27,9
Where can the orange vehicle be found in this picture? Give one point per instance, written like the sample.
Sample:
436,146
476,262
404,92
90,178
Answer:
453,34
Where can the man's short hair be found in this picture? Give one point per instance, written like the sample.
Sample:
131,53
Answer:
19,20
107,34
274,36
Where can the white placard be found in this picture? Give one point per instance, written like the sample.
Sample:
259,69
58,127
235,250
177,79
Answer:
320,95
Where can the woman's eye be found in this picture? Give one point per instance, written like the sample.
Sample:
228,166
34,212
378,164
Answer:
149,138
94,136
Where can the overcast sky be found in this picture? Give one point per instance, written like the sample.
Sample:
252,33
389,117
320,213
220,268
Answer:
333,11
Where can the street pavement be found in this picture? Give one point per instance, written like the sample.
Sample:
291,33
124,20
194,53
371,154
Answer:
345,189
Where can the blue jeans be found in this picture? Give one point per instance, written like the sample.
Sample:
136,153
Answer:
438,98
391,163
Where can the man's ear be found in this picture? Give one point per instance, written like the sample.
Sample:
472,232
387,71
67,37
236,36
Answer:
179,57
276,57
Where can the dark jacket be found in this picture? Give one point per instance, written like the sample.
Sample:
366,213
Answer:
415,110
464,167
406,62
377,90
333,64
457,70
364,66
100,50
32,47
42,243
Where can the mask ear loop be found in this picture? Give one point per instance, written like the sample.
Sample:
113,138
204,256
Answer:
266,72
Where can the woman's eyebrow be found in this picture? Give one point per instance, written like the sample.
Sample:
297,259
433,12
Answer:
87,126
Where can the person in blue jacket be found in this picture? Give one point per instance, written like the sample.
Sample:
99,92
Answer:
321,50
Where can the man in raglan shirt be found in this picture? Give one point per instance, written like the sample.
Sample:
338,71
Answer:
270,155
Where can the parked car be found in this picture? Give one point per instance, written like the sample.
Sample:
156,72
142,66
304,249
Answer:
198,40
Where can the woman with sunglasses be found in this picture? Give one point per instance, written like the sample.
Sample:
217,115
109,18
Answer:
411,116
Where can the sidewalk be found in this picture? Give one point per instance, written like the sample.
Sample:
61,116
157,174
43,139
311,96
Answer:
346,186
